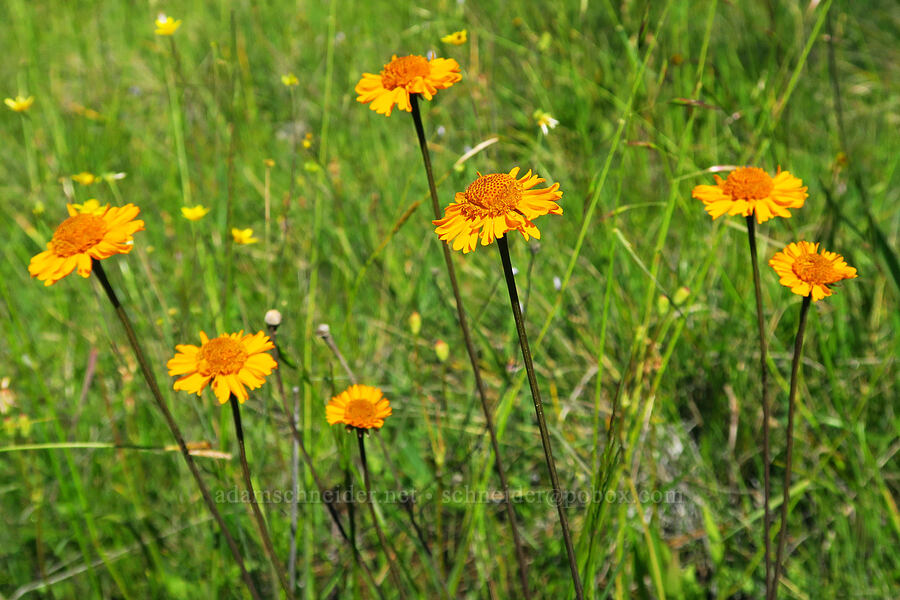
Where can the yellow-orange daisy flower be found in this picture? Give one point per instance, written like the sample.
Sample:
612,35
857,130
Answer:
750,190
360,406
84,236
403,76
494,204
232,361
806,271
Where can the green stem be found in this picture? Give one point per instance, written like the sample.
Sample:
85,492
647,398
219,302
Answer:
795,374
503,247
173,426
473,358
178,125
361,437
257,513
764,376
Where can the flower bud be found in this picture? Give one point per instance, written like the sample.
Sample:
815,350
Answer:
273,318
442,350
415,323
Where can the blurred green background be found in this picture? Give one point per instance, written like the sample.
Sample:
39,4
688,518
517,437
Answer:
633,296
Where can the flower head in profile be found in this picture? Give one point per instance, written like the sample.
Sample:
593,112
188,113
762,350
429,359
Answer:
403,76
95,234
359,406
290,80
19,103
457,38
494,204
166,25
233,362
194,213
85,178
750,190
243,236
545,121
807,272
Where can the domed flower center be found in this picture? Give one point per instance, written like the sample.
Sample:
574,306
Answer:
497,193
78,234
222,356
748,183
360,413
400,71
816,269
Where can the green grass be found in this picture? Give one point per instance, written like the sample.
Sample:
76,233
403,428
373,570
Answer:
92,506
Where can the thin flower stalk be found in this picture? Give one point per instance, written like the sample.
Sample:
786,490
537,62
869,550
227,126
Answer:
150,378
257,513
792,396
764,375
360,436
473,358
503,248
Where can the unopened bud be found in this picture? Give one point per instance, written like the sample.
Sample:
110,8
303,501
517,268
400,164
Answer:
681,295
273,318
415,323
442,350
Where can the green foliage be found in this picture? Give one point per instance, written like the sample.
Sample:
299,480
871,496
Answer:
648,96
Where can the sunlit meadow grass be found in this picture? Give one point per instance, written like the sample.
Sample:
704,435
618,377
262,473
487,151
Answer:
633,297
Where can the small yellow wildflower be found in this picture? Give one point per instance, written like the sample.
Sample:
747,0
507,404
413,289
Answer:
545,121
85,178
290,80
19,103
166,25
243,236
194,213
457,38
91,207
269,162
307,140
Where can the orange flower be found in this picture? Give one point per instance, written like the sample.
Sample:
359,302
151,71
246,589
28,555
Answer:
231,361
404,76
359,406
750,190
806,272
494,204
84,236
